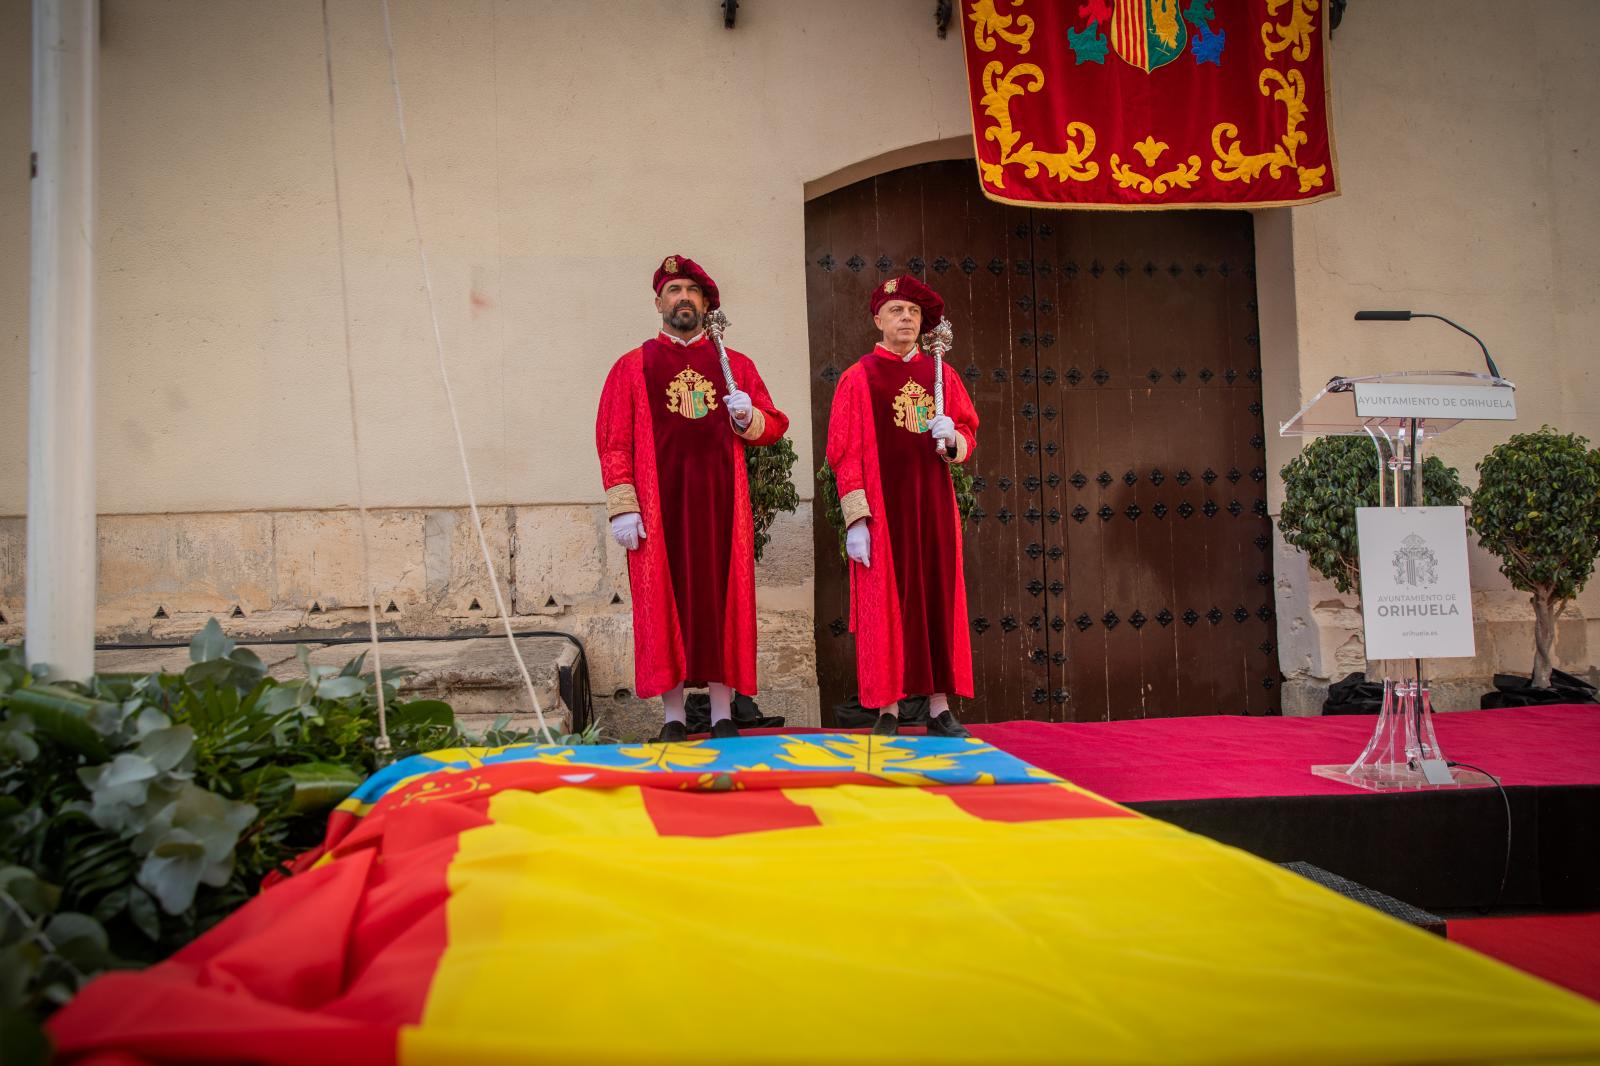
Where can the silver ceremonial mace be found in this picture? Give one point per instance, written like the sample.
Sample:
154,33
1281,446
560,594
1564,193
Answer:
939,340
716,322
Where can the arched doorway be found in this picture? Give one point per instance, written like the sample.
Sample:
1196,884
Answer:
1119,560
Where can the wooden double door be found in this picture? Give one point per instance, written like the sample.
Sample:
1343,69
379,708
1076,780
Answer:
1118,561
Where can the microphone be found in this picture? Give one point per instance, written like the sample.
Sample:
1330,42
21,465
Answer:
1407,316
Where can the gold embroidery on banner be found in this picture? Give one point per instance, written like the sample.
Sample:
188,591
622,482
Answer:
1183,175
691,395
913,408
987,20
1232,163
1297,32
1151,149
1164,13
1073,163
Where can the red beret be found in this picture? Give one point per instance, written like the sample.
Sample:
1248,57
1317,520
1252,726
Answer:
678,266
906,287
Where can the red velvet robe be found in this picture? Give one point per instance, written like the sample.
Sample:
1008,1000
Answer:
908,609
691,489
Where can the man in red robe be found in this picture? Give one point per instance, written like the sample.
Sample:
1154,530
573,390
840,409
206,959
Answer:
671,438
890,455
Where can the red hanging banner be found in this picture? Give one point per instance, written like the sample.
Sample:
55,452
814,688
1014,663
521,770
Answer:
1150,103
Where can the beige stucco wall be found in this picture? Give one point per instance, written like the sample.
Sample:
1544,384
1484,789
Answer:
1467,140
561,149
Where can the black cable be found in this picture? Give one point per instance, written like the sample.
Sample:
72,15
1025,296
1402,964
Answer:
585,699
1505,873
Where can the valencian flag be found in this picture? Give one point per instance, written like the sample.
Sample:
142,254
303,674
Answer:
1150,103
789,899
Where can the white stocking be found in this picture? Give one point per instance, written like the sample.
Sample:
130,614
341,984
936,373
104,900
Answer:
672,703
721,702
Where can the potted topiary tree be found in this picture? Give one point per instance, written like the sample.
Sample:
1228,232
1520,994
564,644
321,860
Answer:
1537,507
1323,486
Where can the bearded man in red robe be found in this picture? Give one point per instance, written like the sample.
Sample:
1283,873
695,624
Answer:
890,454
671,438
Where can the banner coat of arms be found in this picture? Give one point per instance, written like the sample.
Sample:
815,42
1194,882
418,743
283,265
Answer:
1150,103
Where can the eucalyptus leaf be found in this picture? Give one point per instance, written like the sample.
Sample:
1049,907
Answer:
148,720
338,688
31,893
247,661
166,748
209,644
171,874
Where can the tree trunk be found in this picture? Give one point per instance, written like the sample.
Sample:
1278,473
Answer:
1544,638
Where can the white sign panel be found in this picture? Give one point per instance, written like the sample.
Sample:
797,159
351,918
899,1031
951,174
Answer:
1377,400
1416,599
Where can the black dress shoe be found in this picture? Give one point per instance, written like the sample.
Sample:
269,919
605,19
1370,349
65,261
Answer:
724,729
945,725
888,726
672,733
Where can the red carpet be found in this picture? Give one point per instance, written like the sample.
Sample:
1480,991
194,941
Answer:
1231,756
1564,949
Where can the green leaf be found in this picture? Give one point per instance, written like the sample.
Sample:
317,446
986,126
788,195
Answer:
422,713
171,872
166,748
248,661
63,717
80,940
278,699
317,786
32,893
210,643
142,910
148,720
341,687
111,904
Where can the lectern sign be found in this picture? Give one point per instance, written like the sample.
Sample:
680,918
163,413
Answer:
1416,599
1380,400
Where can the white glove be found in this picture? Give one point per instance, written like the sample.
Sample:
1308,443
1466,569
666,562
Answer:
739,406
628,529
943,430
858,542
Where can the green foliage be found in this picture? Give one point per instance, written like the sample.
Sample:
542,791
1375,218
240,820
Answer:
771,489
46,955
1324,485
828,491
1538,508
136,812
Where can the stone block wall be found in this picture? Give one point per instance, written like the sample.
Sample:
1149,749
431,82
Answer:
299,574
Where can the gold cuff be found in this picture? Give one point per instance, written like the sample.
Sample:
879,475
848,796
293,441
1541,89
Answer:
855,507
961,447
621,499
757,426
